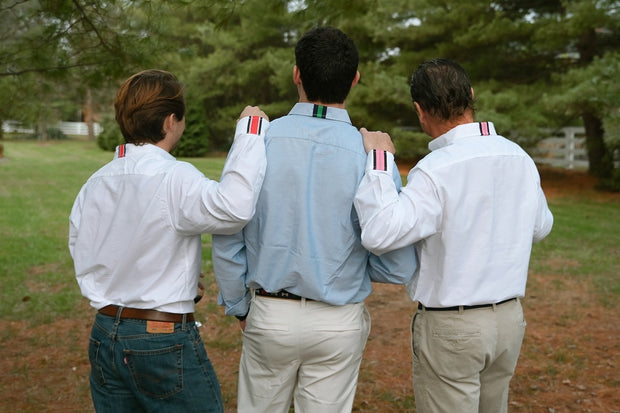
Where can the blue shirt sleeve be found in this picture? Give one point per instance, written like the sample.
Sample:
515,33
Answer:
394,267
231,267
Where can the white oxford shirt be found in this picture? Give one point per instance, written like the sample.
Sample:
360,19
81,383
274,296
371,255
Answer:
136,225
473,206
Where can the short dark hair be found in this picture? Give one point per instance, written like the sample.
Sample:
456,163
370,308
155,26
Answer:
143,102
327,60
442,88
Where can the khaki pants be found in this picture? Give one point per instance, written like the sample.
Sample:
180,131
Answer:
463,360
306,350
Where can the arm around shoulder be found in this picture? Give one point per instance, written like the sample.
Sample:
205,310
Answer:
244,171
202,205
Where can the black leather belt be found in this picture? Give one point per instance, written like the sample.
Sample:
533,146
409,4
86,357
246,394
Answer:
464,307
279,294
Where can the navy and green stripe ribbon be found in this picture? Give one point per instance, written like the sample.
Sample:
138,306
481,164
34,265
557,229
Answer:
319,111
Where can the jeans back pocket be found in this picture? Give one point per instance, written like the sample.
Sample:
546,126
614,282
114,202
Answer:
157,373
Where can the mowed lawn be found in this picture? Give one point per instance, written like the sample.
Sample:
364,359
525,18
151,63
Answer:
38,184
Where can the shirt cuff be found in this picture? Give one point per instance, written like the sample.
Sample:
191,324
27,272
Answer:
240,308
252,125
379,160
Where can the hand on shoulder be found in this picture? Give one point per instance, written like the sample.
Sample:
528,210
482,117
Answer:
377,140
253,111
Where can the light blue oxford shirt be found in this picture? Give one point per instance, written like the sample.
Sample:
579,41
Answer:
305,235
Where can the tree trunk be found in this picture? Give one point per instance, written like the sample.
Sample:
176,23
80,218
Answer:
599,158
43,136
89,116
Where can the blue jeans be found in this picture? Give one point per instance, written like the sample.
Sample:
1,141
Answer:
135,371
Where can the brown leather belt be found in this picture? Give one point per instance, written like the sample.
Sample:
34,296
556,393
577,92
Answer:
464,307
141,314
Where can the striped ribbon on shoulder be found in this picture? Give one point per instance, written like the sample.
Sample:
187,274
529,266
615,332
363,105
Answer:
122,150
484,128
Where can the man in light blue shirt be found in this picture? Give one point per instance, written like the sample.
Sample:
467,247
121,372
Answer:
298,271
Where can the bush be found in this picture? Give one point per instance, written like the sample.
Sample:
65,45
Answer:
55,134
52,134
111,136
194,142
410,145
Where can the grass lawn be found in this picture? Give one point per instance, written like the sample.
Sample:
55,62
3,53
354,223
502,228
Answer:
42,311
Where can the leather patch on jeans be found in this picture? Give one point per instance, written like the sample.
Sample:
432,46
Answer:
159,327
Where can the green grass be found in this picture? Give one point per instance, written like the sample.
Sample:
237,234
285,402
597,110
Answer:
584,244
38,184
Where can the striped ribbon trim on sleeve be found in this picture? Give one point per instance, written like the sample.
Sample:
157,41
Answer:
379,160
255,125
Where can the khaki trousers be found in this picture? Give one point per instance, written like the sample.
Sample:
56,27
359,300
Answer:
463,360
304,350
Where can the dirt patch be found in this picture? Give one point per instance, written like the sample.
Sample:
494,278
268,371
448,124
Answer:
568,362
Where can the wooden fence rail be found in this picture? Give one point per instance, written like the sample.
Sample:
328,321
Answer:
565,148
68,128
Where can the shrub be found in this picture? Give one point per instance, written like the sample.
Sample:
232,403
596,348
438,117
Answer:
410,145
52,134
55,134
194,142
111,136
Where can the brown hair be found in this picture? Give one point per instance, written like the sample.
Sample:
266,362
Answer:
143,102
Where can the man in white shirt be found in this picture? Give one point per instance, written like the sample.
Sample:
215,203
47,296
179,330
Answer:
473,207
135,238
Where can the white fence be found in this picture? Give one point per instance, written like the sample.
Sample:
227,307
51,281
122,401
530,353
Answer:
565,149
68,128
77,128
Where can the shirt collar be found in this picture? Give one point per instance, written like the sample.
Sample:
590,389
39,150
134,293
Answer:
320,111
462,131
130,149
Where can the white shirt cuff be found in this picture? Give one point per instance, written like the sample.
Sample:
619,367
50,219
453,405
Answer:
252,125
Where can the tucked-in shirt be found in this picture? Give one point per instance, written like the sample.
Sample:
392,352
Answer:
474,205
136,225
305,236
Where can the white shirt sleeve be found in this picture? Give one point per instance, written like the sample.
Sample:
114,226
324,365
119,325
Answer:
544,218
74,222
206,206
390,220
